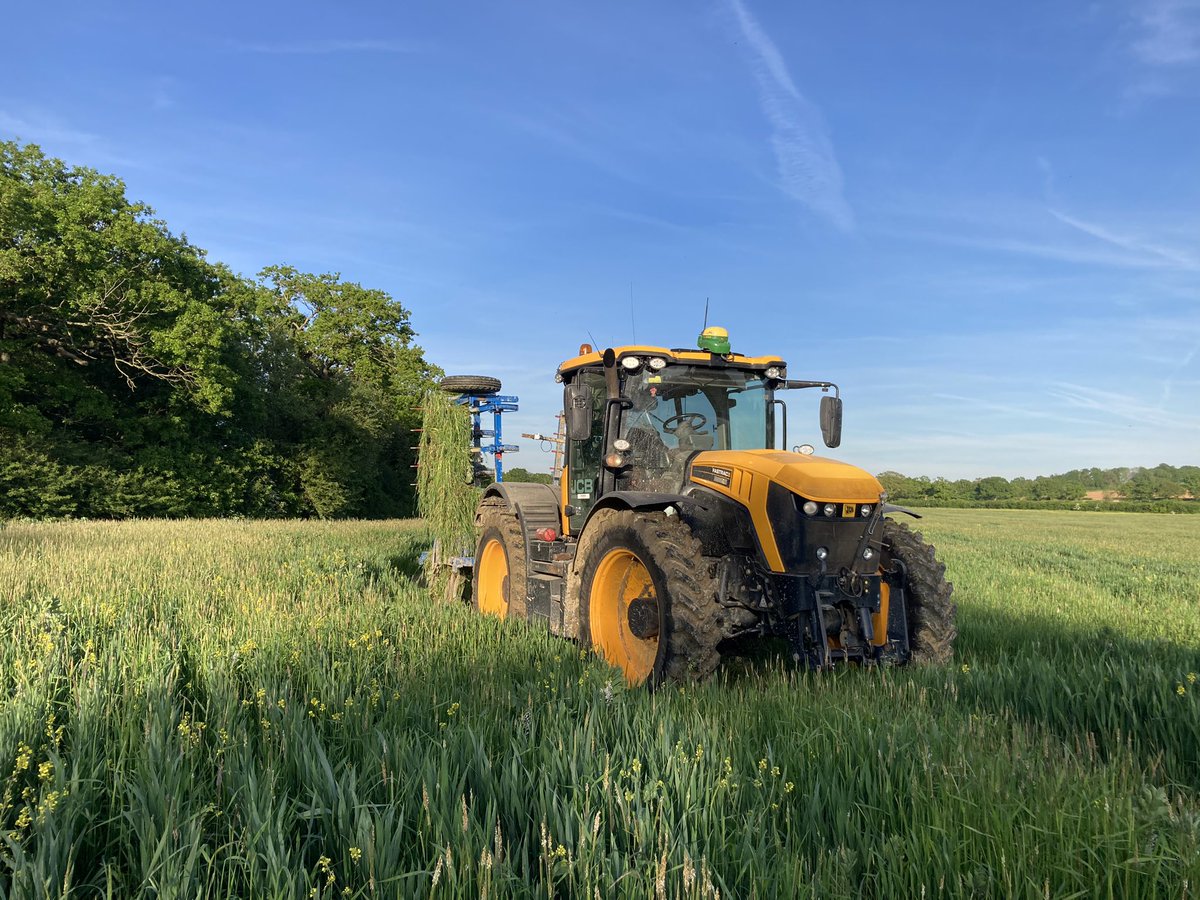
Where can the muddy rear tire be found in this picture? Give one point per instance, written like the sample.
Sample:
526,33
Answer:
498,585
930,610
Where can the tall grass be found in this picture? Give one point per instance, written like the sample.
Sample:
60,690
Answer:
278,710
446,494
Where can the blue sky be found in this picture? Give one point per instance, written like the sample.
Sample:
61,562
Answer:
982,220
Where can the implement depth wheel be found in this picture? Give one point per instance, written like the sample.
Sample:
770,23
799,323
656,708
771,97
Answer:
649,606
498,586
928,614
475,385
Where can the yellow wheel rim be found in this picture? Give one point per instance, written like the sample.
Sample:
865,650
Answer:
621,578
493,580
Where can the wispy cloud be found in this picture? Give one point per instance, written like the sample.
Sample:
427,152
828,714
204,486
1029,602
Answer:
1123,406
43,129
1168,33
1164,41
804,154
1172,379
1016,411
582,141
1163,244
325,47
1129,243
1035,246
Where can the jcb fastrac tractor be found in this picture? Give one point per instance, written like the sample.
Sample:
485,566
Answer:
677,526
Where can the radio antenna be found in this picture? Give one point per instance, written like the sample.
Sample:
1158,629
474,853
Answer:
705,325
632,317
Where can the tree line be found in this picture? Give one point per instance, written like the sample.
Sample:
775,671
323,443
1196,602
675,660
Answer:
1161,484
140,378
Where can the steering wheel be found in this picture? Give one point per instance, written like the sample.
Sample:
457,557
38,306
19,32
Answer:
691,421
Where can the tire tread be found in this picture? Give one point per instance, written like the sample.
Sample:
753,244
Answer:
931,609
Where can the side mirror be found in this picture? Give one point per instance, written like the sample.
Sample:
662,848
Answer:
577,409
831,420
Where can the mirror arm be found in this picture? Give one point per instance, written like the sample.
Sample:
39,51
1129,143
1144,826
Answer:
791,384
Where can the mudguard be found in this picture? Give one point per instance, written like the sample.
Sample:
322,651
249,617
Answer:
638,500
536,506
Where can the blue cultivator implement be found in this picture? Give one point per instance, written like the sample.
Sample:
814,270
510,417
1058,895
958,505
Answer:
478,406
480,394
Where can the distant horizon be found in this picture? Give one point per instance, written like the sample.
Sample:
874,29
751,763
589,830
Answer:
832,454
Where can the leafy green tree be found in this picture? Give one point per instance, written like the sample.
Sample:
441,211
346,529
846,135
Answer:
93,280
1189,476
993,488
901,488
138,378
343,385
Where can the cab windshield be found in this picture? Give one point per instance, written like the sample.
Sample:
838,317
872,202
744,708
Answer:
682,409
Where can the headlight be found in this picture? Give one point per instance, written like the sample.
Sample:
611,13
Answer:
774,372
830,509
614,461
810,508
865,511
657,363
822,552
631,363
868,553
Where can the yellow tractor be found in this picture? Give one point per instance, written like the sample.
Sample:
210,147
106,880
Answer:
678,527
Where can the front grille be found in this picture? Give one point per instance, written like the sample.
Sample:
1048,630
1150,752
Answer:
798,536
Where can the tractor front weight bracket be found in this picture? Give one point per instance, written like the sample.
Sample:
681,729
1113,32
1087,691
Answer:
816,608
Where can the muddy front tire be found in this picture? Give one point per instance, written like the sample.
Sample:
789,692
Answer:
648,602
498,587
929,610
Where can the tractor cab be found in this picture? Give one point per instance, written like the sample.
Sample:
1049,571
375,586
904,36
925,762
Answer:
637,415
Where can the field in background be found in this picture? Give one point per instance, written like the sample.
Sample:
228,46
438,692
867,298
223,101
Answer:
277,709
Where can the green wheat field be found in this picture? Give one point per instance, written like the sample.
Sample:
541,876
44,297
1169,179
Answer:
278,709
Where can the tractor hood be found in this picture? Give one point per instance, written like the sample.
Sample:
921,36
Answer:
760,479
745,474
